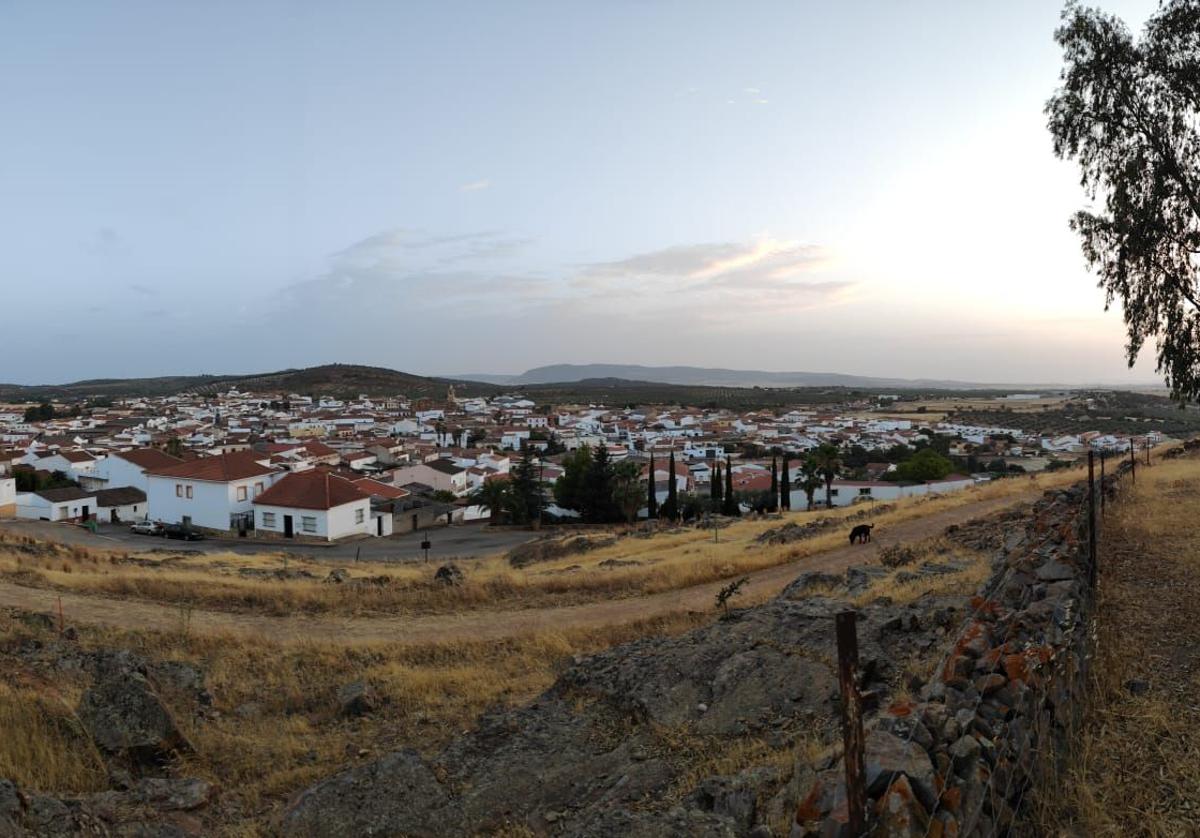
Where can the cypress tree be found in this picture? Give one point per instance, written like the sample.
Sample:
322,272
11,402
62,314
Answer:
670,509
716,491
785,486
731,504
651,493
774,503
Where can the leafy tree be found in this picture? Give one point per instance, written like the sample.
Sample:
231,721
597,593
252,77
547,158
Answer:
443,496
810,479
926,464
651,493
670,509
174,447
785,486
39,412
568,489
597,496
627,489
493,496
829,463
525,498
1128,111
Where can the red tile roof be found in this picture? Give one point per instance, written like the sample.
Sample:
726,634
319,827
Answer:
312,489
148,458
221,469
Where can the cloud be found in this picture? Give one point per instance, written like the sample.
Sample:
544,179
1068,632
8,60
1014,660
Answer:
475,185
457,298
144,290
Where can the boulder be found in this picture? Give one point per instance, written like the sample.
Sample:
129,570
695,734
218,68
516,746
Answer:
450,575
356,699
887,757
126,719
395,795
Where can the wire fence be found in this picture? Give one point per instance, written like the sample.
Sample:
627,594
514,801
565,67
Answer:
1012,756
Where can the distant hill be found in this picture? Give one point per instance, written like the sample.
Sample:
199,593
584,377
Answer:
326,380
713,377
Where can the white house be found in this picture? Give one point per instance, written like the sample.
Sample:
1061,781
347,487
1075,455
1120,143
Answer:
128,468
120,504
73,463
8,496
846,492
314,504
442,475
212,492
65,504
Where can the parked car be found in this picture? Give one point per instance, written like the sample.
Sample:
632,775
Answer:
147,528
181,532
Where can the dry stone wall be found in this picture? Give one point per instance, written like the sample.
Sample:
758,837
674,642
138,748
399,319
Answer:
997,712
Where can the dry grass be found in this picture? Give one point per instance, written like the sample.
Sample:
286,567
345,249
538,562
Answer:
666,562
278,728
43,745
1135,767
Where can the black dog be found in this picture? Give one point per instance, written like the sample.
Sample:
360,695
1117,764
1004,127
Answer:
861,534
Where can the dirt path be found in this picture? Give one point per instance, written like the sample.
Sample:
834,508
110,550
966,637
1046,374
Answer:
484,625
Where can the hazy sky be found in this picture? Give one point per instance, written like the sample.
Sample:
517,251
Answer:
445,187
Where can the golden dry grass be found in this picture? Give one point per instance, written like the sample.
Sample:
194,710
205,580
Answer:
278,728
666,562
1135,767
42,744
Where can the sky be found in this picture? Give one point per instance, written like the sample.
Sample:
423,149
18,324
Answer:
455,187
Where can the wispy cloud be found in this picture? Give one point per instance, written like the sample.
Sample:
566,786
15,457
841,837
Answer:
144,290
475,185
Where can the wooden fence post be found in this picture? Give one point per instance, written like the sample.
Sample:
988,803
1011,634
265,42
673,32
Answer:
1132,463
852,728
1102,483
1092,517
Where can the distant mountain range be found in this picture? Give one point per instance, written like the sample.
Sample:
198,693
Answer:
712,377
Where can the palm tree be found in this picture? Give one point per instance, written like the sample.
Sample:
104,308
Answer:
810,478
829,463
492,495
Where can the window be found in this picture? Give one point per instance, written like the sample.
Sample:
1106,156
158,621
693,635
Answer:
865,490
241,492
258,489
834,493
187,491
178,490
359,516
268,519
308,523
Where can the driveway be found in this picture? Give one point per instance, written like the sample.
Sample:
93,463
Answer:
464,540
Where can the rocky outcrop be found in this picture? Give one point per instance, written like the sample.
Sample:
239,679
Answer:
599,752
150,807
793,531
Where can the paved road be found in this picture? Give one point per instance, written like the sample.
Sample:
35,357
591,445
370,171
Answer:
480,624
446,542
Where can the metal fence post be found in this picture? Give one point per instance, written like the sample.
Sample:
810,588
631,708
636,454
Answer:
1092,517
852,729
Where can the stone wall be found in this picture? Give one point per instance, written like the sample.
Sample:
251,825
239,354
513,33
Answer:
997,712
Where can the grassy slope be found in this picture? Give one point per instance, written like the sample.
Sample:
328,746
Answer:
667,562
1136,767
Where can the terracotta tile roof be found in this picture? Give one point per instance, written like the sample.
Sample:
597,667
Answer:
312,489
148,458
381,490
221,469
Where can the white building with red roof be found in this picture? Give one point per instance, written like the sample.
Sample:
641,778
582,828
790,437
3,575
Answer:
215,493
314,504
